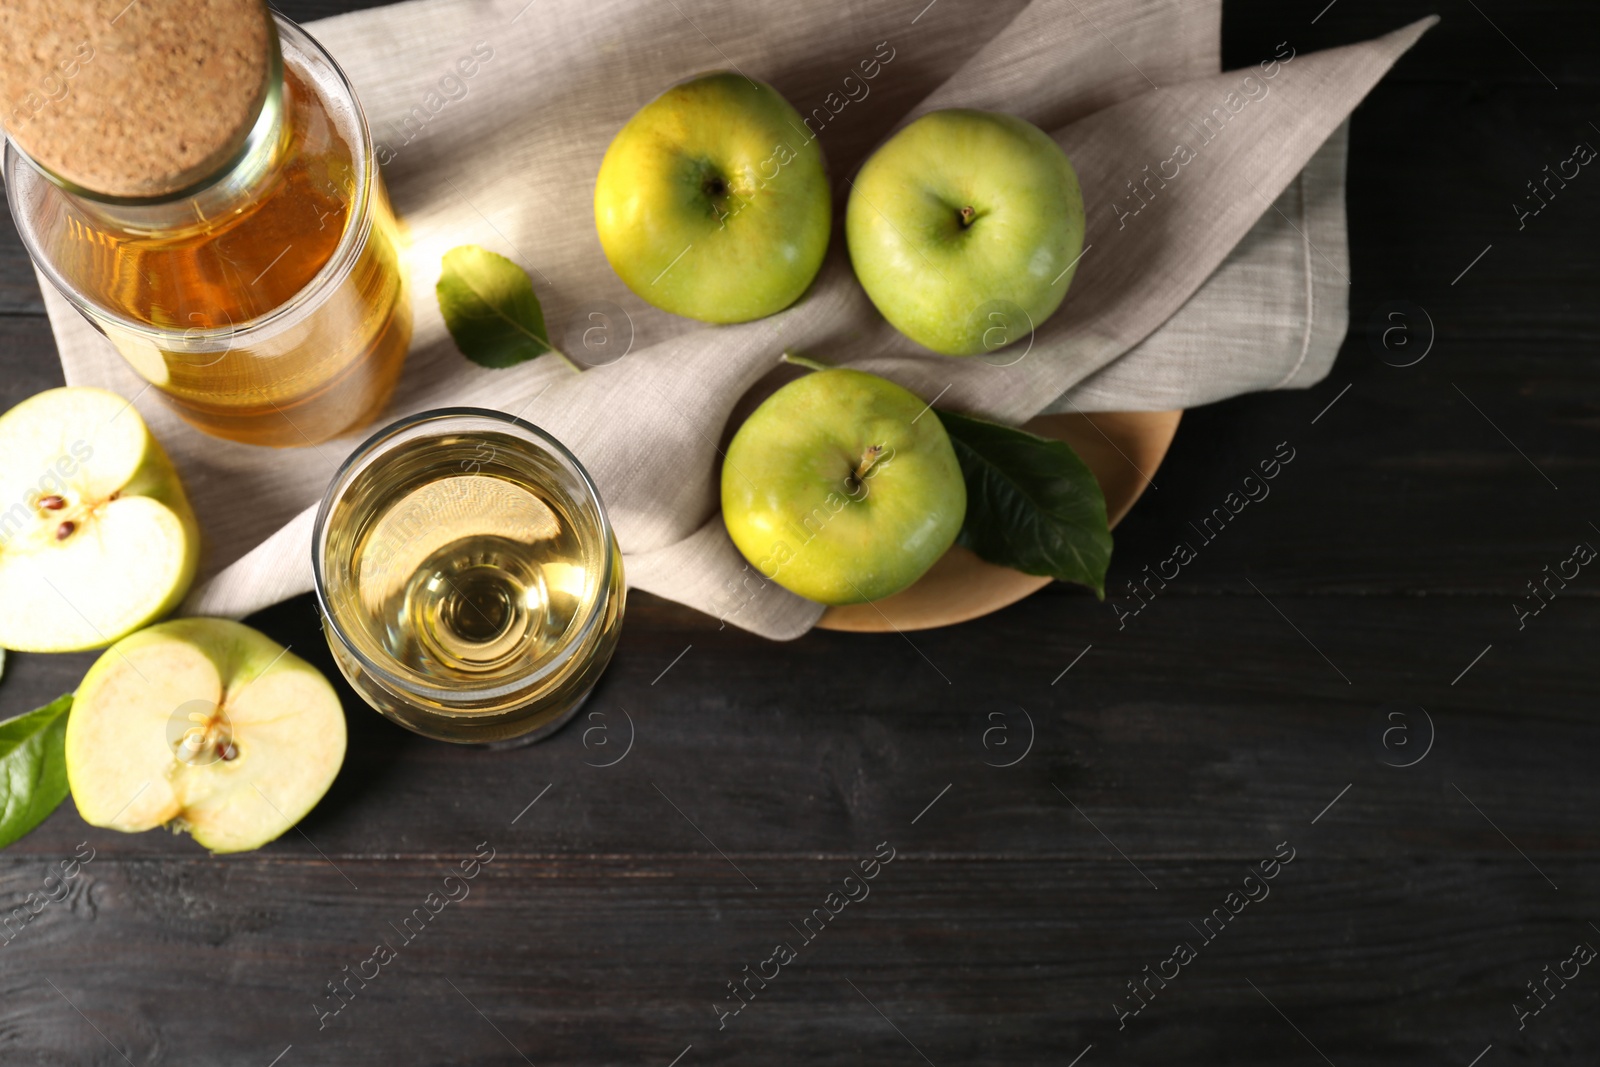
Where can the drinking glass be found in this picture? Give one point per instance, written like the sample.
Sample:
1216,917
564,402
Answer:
469,580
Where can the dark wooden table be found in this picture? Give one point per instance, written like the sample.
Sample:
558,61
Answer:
1340,677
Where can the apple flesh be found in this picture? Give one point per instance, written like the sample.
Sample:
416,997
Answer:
842,487
96,535
965,229
206,726
713,202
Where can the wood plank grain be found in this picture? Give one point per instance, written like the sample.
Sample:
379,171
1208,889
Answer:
968,960
19,288
1203,727
1476,43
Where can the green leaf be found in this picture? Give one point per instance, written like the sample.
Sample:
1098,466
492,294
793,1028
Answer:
489,307
33,768
1032,505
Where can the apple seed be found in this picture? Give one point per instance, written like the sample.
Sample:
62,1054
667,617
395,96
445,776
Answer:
209,739
64,531
52,502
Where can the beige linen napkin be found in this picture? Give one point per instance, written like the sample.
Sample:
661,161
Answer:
1206,273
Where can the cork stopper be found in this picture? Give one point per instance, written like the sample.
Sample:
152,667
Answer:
139,99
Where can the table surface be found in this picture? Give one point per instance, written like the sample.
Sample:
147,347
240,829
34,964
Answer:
1340,677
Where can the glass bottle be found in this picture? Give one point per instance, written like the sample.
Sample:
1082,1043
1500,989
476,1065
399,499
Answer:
267,300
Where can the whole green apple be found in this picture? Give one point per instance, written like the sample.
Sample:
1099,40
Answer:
965,229
842,487
713,201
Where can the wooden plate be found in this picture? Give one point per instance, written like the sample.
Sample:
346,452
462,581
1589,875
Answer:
1122,448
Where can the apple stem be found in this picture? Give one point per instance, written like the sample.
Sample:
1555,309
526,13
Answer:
967,215
789,356
868,458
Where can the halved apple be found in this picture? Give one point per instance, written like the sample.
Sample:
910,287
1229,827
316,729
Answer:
96,535
206,726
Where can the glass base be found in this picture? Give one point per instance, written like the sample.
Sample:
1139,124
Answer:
535,736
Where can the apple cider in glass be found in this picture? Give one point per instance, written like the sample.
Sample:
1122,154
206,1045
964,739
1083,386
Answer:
470,583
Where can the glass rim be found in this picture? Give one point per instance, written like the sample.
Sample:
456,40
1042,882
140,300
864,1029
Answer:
368,452
326,280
